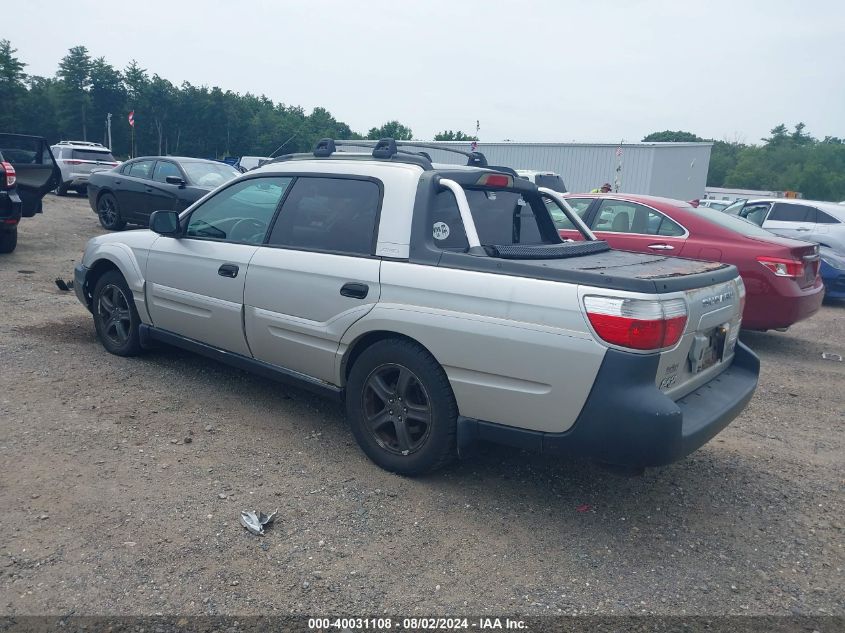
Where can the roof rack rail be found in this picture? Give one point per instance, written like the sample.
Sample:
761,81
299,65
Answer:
474,159
86,143
390,149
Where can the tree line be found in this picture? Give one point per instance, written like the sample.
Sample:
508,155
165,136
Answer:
785,161
186,119
210,122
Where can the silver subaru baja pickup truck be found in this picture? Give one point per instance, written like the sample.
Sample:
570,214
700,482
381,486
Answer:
439,303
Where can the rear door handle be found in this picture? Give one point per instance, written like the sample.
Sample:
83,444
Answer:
149,189
802,228
661,247
228,270
356,291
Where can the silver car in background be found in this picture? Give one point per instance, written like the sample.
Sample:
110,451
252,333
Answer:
809,220
77,160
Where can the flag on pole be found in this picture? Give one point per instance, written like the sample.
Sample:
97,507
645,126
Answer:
619,151
474,145
131,118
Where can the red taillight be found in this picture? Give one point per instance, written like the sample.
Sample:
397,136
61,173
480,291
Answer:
73,162
783,267
637,323
9,178
495,180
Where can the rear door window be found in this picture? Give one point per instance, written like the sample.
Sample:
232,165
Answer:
337,215
141,169
784,212
620,216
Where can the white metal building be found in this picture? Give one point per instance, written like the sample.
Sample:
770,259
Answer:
673,170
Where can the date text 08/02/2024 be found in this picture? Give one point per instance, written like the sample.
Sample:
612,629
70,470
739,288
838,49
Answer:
415,624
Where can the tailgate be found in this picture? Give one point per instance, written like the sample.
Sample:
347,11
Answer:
707,346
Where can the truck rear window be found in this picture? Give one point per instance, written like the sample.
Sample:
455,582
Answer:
501,217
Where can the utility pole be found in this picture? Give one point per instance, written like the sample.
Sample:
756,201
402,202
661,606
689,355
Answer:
108,128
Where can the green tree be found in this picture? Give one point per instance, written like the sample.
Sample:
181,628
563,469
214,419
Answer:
668,136
108,95
391,129
12,88
75,76
449,135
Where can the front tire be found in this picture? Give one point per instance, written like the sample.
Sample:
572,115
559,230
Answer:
401,408
109,213
115,317
8,240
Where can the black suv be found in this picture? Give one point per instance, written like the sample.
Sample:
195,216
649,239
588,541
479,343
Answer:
27,172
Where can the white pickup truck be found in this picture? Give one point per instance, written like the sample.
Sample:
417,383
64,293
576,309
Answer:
439,303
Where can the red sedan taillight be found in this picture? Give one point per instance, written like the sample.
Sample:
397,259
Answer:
8,178
783,267
637,323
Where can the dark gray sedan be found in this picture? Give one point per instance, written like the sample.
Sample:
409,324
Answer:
130,192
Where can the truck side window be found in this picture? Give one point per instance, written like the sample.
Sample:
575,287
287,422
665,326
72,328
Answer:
337,215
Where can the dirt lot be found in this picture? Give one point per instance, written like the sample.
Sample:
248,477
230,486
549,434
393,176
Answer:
107,509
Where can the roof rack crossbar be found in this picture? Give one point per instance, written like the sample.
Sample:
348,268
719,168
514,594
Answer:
474,159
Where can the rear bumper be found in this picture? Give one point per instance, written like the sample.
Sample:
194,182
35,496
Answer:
627,421
780,310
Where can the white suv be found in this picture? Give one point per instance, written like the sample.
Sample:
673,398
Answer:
78,160
548,179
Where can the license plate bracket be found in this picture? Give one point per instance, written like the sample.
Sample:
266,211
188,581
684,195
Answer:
708,349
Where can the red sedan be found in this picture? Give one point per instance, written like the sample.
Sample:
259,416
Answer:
781,275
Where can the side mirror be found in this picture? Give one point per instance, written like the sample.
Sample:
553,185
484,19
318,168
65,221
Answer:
175,180
165,223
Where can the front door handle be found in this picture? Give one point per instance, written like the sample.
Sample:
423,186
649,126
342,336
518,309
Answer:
149,189
661,247
228,270
802,228
356,291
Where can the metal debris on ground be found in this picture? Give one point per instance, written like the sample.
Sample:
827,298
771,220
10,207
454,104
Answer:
255,521
832,356
64,285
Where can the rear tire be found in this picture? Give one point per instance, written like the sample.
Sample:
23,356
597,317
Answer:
401,408
109,213
115,317
8,240
62,190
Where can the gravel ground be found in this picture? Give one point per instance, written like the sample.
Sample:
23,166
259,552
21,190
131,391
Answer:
121,481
